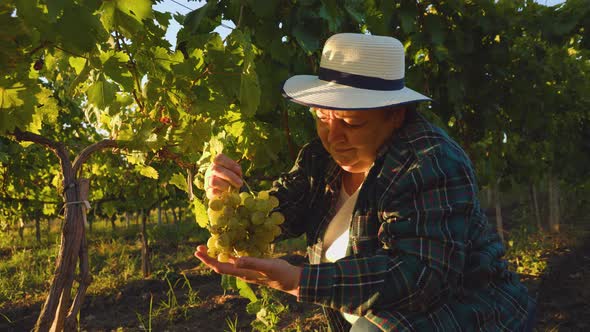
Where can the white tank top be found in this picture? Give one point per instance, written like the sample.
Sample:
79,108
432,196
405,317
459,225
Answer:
336,238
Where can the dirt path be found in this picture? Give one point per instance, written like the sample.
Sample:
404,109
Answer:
563,292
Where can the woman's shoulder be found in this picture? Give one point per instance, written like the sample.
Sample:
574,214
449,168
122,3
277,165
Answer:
419,140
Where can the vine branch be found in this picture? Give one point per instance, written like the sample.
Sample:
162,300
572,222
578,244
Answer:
85,154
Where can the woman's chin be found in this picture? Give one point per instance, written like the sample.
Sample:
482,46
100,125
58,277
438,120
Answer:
350,167
353,166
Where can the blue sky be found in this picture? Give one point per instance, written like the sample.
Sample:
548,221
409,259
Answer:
185,6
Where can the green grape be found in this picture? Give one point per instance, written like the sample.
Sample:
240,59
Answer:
263,195
216,204
234,222
276,230
241,245
250,203
241,224
277,218
257,218
262,205
243,196
212,252
212,242
234,199
263,238
242,212
273,202
223,257
223,241
213,217
242,253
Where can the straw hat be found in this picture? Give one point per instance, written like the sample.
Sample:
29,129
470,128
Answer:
357,72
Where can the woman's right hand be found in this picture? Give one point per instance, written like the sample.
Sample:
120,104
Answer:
223,173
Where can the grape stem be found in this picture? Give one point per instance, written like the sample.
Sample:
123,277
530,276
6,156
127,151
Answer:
248,187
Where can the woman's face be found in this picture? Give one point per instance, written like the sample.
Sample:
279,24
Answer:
353,137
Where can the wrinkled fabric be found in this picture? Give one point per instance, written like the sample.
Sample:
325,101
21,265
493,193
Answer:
421,255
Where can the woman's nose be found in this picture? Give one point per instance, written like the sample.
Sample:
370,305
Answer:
335,132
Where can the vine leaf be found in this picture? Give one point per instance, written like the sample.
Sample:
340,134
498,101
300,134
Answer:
101,93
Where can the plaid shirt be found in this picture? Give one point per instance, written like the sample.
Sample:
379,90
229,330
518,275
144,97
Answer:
421,256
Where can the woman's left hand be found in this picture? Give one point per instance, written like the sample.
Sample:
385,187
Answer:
271,272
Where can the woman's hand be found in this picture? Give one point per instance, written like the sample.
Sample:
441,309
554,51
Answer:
223,173
271,272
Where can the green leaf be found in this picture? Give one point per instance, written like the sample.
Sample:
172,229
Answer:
9,96
245,290
330,12
198,20
306,38
179,181
147,171
253,307
55,8
263,8
200,213
408,19
115,67
77,63
228,282
435,26
79,30
355,9
249,89
101,93
138,9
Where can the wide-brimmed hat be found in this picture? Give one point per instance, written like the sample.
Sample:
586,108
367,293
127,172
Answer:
357,72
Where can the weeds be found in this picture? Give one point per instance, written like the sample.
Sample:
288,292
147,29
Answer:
140,317
232,325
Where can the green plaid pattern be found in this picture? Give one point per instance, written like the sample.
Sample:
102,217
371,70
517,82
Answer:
421,255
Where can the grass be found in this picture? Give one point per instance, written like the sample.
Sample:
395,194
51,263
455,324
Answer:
26,267
528,249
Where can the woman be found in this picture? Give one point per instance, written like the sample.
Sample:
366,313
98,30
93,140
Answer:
388,202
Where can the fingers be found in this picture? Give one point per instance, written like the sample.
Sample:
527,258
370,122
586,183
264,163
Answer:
211,262
228,163
229,268
223,173
266,266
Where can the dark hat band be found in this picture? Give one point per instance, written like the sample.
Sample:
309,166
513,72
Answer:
360,81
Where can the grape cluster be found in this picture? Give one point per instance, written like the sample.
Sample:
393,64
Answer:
242,224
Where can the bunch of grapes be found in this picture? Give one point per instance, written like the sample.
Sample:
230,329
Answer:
242,224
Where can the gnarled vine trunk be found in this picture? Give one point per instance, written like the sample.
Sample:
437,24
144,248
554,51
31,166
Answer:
59,312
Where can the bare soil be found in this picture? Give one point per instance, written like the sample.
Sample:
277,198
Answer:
562,293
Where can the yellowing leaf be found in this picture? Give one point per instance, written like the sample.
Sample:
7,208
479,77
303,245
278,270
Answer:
77,63
200,213
572,51
147,171
139,9
9,96
179,181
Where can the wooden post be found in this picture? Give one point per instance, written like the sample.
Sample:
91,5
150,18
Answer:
535,206
145,250
85,278
38,228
